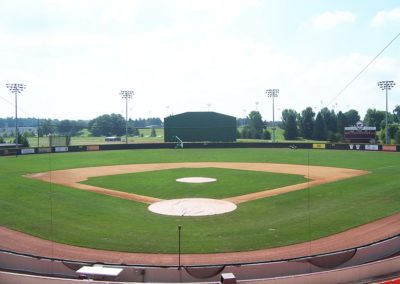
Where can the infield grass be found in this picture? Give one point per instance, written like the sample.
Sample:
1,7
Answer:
82,218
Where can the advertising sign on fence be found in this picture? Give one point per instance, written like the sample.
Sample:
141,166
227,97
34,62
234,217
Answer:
61,149
27,151
9,152
93,148
319,146
45,150
372,147
391,148
354,147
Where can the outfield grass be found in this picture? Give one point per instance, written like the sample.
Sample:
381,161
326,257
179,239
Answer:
88,219
162,184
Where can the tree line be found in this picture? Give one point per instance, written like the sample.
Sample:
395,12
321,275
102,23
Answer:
326,125
103,125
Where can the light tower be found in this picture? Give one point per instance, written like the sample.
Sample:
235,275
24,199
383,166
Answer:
16,88
272,93
386,85
126,95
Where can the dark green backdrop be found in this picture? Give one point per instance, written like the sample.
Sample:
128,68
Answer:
200,126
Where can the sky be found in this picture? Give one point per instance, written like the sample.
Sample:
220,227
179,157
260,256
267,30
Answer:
76,56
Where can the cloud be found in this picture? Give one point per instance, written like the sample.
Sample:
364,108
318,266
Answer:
184,62
331,20
97,11
122,11
385,17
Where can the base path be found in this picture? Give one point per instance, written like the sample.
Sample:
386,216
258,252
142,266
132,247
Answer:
316,174
378,230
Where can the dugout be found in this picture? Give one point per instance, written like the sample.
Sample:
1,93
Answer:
199,127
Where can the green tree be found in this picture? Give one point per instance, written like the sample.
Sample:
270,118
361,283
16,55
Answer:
306,123
330,119
66,127
352,117
334,137
46,127
238,134
71,127
285,117
134,132
245,132
392,129
397,137
341,123
266,135
256,125
153,132
22,140
375,118
290,132
107,125
319,132
396,113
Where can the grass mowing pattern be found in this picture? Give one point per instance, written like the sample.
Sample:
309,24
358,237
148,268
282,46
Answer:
93,220
162,184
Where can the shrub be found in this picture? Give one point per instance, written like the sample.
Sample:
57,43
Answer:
266,135
397,136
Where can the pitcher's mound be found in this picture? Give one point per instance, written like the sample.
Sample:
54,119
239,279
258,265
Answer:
196,179
192,207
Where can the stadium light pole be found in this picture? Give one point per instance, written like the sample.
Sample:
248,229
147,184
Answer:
16,88
386,85
273,93
126,95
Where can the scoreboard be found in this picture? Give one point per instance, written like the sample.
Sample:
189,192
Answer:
360,134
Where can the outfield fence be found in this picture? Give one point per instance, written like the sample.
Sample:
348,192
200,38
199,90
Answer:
12,151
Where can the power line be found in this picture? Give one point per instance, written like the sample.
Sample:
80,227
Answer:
19,109
362,71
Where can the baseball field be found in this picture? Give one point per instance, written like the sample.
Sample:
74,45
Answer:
64,212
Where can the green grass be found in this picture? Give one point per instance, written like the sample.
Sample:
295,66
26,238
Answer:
162,184
88,219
